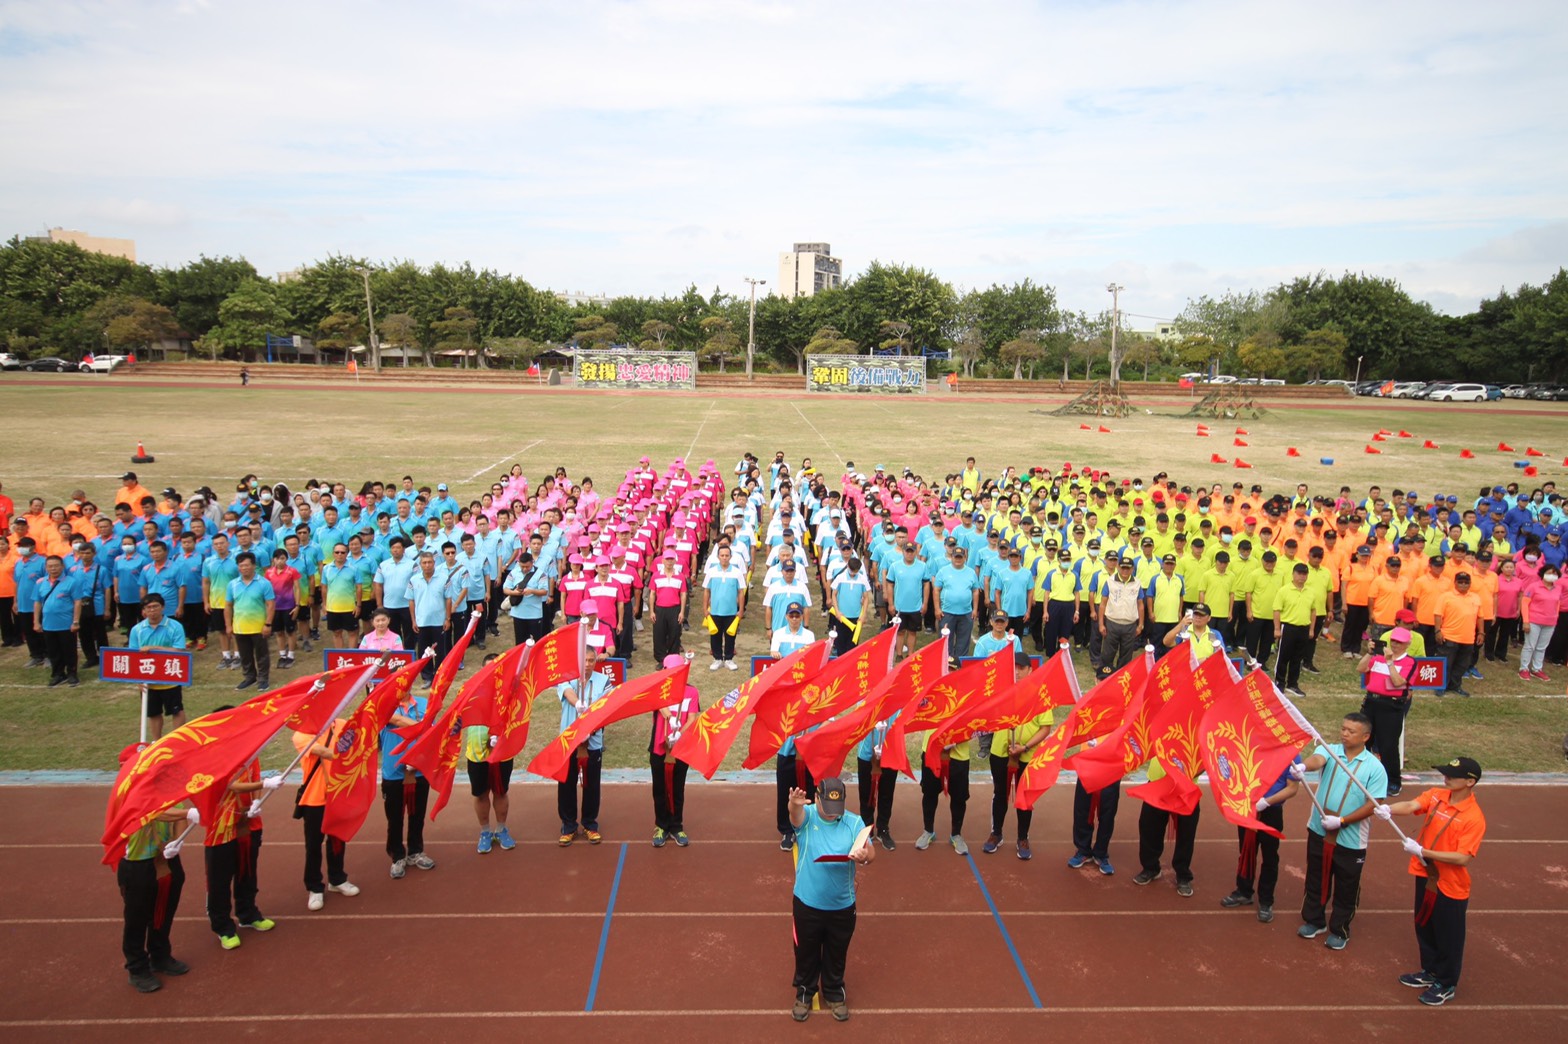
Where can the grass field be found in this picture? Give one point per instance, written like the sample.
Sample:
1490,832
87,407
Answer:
81,435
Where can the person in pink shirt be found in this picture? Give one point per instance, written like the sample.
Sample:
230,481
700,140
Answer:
1505,630
381,636
600,637
669,606
668,771
573,586
1539,605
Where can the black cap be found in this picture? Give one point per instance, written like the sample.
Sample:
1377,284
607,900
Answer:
830,797
1460,768
1169,558
1201,609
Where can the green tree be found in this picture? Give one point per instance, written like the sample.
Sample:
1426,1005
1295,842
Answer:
594,332
1141,351
895,335
515,351
245,318
1319,353
341,331
1198,352
828,341
1262,354
138,324
194,291
722,341
1025,349
968,350
455,332
999,312
901,293
655,332
401,330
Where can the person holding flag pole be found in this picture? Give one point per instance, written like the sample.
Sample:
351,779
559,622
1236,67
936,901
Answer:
667,770
576,697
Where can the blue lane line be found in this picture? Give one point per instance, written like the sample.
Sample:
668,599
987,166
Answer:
1018,962
604,933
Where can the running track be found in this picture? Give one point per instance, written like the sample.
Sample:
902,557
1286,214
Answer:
624,942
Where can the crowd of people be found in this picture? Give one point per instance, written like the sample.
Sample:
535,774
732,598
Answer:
1031,558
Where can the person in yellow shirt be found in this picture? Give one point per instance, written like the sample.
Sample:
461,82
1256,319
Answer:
957,757
1218,593
1457,622
1166,595
1266,583
1244,567
1006,749
1146,564
1191,567
1295,614
1320,579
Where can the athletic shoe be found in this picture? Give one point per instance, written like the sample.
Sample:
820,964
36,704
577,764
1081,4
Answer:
960,845
1023,849
637,625
1105,867
145,982
1266,913
315,635
992,843
170,966
1236,899
283,663
1473,673
1077,861
348,888
1540,676
1310,669
1184,889
682,839
887,841
1393,790
729,665
1349,656
566,838
264,686
36,662
419,861
399,868
801,1011
1296,690
503,837
594,837
1437,996
486,839
201,645
1336,942
1310,931
1144,877
658,837
1524,675
260,924
1460,692
229,942
245,683
73,681
225,664
1418,980
923,842
56,681
786,842
840,1010
715,665
315,901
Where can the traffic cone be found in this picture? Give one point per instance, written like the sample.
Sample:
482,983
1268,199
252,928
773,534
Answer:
1373,449
1466,455
1503,447
1202,434
1532,471
1429,444
1241,463
1384,431
1531,451
1379,437
1104,430
142,456
1215,458
1405,434
1238,442
1291,451
1241,431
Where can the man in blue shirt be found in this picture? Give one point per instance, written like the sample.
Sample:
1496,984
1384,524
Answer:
1260,851
1337,837
159,631
94,582
957,590
724,599
824,895
431,610
576,697
904,580
405,793
391,584
56,616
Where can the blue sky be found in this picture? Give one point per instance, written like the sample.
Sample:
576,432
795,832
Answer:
1179,148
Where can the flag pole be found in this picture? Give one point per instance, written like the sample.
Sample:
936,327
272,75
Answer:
144,713
364,680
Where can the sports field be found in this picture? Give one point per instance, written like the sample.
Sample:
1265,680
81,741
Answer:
79,433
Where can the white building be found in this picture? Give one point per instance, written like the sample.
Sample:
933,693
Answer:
807,269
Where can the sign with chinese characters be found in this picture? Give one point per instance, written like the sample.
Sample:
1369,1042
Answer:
866,373
762,663
613,668
144,667
629,369
1429,672
332,659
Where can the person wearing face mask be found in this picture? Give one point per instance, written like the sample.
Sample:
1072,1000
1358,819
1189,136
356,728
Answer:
1540,603
27,572
56,616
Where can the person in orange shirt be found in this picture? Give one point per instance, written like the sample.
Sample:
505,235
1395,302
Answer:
1484,583
1355,581
312,809
10,632
36,517
131,492
1440,858
1424,592
1457,622
7,509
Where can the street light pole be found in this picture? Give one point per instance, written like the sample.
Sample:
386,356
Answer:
1116,298
1358,370
751,324
370,314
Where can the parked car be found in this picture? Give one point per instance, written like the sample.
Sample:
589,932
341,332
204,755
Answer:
1405,389
1550,393
9,361
1459,393
103,364
1493,393
1373,388
1426,391
1222,378
1514,391
49,364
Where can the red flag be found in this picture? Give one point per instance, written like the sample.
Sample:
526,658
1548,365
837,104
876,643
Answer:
436,752
1129,745
1052,684
1185,382
1250,734
975,681
824,751
703,747
184,765
646,694
1387,387
325,703
443,681
1094,716
555,658
351,776
840,684
1173,733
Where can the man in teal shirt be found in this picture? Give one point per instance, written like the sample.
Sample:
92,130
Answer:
957,590
824,895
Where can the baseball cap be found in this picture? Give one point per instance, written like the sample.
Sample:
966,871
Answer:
1460,768
1169,558
830,797
1399,634
441,488
1405,616
589,606
1201,609
673,660
795,609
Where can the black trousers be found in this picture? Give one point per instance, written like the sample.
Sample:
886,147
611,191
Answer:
1059,622
194,619
1388,724
402,624
1356,619
395,800
10,630
879,812
255,657
93,635
623,634
492,606
566,792
1002,784
1344,885
789,772
60,647
433,637
1094,819
721,643
843,638
1152,823
30,635
669,792
821,950
1157,633
1259,858
1501,633
149,910
1260,639
666,631
1460,657
1442,938
315,841
957,794
231,882
524,629
1294,643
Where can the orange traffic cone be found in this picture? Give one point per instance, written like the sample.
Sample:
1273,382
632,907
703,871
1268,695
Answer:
1291,451
1239,442
1084,427
1241,431
1215,458
142,456
1429,444
1384,431
1379,437
1466,455
1531,451
1532,471
1503,447
1405,434
1373,449
1104,430
1241,463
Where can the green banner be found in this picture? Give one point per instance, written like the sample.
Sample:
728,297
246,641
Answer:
888,374
631,369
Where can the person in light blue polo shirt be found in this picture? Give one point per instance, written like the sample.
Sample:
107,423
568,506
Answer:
957,590
159,631
405,793
824,895
391,583
576,697
905,583
56,617
724,599
427,598
849,597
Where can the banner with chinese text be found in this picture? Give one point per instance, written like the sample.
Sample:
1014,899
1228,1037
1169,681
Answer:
630,369
866,373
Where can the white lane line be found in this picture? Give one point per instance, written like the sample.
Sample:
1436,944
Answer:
821,436
503,460
704,424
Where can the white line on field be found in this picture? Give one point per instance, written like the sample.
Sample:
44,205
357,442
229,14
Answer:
821,436
503,460
704,424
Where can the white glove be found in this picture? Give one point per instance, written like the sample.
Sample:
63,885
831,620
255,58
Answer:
254,810
1332,822
1262,805
192,815
172,849
495,741
1412,846
1298,771
672,738
1383,812
272,783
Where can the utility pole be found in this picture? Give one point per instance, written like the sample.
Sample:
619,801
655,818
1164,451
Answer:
370,314
751,324
1116,321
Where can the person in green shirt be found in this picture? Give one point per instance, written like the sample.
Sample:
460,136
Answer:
1218,591
1321,581
1165,595
1295,612
1265,584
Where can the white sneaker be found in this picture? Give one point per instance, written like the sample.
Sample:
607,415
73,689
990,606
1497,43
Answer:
346,888
715,665
316,901
638,624
729,665
923,842
960,845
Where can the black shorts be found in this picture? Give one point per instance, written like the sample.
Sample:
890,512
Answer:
284,622
367,610
165,701
479,776
215,622
909,621
342,621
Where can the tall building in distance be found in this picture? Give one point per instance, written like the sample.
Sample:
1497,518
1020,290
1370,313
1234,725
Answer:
125,248
808,269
